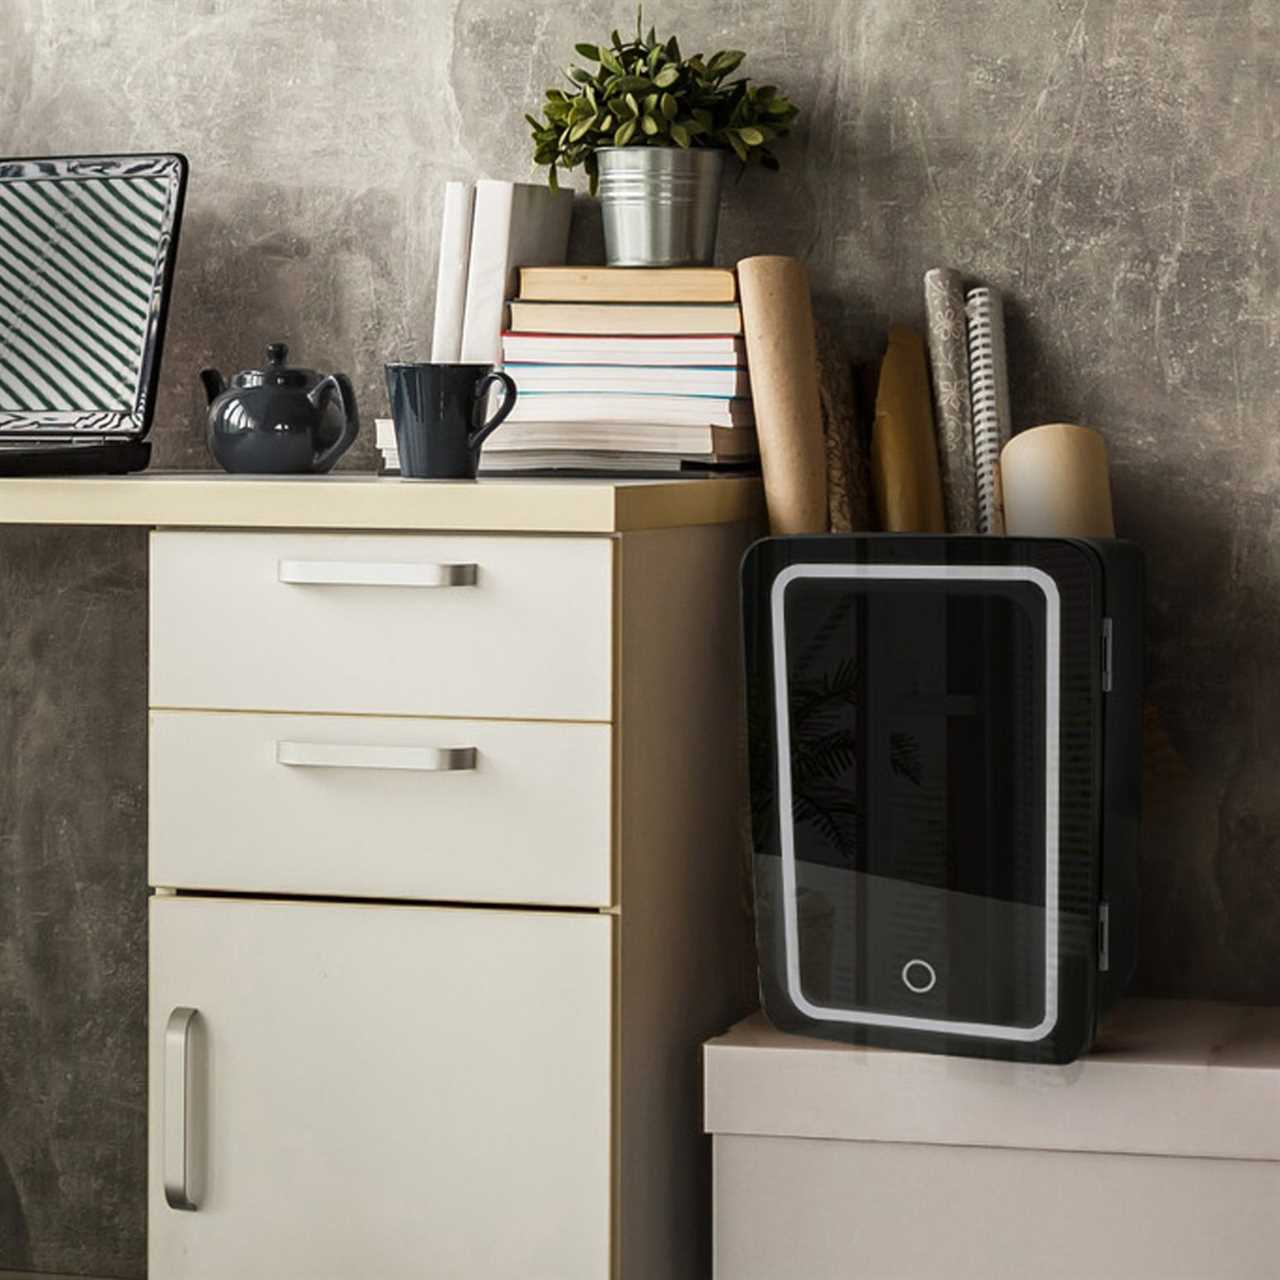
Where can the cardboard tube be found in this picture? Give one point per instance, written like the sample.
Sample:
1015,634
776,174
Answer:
1057,483
777,322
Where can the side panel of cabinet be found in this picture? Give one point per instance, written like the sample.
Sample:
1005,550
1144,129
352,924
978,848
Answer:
381,1091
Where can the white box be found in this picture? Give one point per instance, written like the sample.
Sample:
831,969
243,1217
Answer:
1158,1156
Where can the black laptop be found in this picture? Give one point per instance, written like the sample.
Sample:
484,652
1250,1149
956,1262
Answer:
87,251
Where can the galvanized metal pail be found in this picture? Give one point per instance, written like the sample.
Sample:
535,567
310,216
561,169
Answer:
660,204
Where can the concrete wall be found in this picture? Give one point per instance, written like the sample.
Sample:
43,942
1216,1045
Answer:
1111,164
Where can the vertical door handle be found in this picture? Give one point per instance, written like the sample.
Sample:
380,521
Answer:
179,1110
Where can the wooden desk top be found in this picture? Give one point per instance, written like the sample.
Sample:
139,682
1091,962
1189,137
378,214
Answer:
352,501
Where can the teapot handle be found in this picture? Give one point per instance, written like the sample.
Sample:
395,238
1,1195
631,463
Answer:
339,384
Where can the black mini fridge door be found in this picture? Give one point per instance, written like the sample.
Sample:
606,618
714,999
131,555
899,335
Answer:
926,747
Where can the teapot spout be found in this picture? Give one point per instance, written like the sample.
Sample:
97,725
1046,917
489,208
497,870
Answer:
213,382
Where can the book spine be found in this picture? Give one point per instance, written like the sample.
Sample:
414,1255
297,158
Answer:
944,307
777,319
487,273
451,277
989,388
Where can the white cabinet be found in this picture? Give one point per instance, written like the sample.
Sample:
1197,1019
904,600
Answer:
445,837
1156,1157
384,1091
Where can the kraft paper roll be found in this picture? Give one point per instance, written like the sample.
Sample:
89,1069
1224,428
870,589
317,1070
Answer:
1057,483
777,322
904,449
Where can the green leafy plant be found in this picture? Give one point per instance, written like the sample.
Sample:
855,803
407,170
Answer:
643,92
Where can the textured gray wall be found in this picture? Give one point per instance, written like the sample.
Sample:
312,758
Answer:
1112,164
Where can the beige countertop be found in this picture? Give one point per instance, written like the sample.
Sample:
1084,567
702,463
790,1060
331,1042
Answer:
212,500
1166,1077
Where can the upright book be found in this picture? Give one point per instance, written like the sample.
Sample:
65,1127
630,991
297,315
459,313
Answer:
627,284
989,386
515,224
451,275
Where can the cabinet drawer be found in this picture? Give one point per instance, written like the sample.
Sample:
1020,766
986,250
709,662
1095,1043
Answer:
397,807
473,625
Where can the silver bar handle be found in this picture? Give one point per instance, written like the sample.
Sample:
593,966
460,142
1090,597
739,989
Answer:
341,573
328,755
179,1110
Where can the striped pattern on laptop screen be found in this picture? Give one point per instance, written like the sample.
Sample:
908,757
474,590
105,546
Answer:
82,259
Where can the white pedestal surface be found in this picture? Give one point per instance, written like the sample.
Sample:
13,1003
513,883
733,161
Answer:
1155,1158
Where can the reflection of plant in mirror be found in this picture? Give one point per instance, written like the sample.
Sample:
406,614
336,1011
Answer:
644,92
824,752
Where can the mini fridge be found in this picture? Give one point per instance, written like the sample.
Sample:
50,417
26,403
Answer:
945,745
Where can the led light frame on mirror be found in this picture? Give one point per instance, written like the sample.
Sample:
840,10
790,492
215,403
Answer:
790,910
84,426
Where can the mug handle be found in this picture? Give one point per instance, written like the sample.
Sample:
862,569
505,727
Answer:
481,433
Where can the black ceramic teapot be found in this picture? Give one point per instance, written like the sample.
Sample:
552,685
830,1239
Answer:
280,420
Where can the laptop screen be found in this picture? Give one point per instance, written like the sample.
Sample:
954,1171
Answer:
86,254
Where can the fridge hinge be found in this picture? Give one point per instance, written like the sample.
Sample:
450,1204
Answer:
1104,936
1106,654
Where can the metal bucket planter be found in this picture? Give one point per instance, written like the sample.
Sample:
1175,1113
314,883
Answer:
660,204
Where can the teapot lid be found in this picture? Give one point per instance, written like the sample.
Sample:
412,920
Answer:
277,373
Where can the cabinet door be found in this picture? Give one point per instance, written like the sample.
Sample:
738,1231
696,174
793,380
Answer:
379,1091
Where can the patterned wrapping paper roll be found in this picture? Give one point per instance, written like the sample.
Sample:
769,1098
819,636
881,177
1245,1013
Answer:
777,321
1057,483
952,406
848,465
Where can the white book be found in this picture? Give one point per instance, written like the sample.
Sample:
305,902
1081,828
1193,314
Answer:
630,379
451,276
589,406
519,460
639,437
515,224
522,460
551,348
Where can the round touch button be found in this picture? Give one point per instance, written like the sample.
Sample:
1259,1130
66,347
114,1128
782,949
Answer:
919,976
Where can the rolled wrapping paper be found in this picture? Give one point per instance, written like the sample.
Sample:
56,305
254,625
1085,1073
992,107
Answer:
777,322
848,467
952,404
904,451
1057,483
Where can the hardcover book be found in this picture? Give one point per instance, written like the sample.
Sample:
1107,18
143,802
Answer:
622,318
627,284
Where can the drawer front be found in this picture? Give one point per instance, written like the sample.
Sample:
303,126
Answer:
352,806
414,624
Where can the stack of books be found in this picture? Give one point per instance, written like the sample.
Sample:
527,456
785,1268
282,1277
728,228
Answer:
625,369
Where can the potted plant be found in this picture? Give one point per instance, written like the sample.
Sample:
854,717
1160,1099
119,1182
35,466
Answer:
652,130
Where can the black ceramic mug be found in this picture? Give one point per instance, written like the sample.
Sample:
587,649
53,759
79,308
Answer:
438,410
